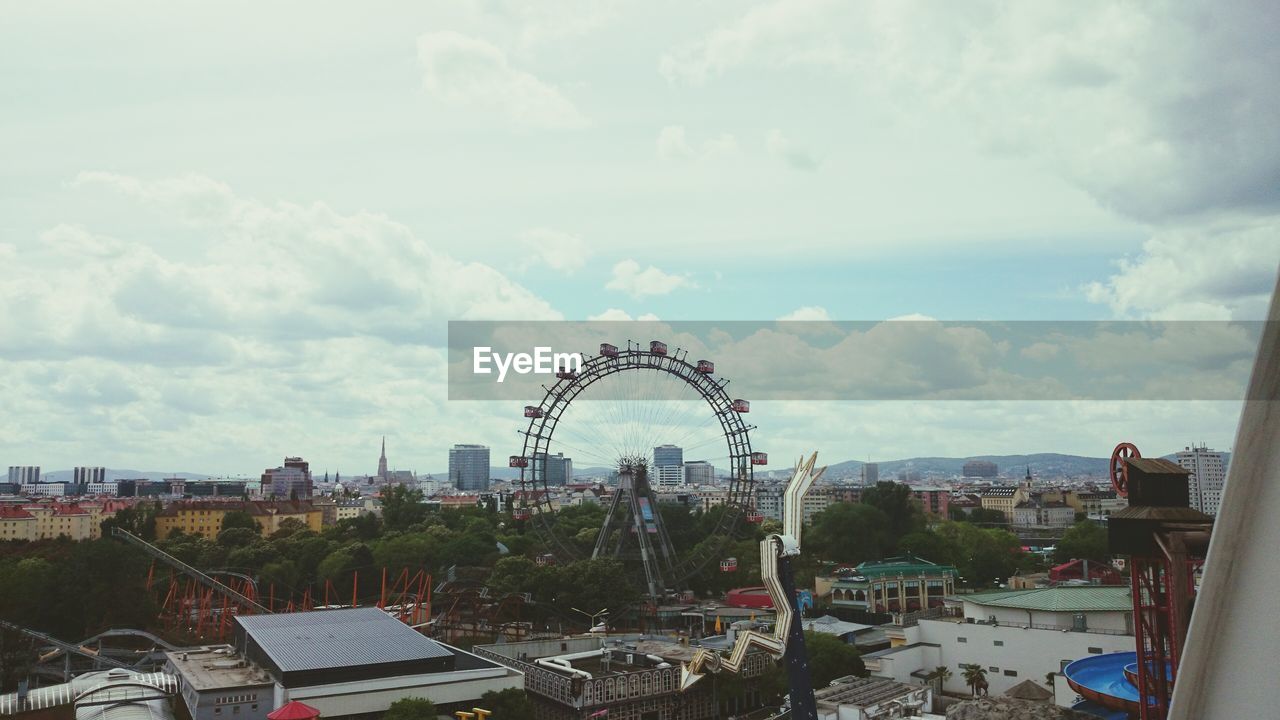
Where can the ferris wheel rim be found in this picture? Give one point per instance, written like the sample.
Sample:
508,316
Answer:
559,397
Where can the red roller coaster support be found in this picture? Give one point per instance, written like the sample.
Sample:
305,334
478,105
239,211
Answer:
1153,635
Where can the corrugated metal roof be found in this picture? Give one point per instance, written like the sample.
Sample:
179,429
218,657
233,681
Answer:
1057,599
337,638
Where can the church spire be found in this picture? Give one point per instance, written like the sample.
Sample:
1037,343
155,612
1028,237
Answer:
382,461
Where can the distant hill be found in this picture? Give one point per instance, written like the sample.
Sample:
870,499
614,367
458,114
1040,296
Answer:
1010,466
113,474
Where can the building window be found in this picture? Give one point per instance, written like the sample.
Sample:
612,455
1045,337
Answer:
998,643
1011,673
1095,651
993,669
962,640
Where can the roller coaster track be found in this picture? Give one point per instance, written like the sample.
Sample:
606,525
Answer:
65,647
236,597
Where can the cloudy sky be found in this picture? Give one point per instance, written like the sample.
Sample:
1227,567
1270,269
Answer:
232,232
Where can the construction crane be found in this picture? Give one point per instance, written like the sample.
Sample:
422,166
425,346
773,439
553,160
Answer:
786,642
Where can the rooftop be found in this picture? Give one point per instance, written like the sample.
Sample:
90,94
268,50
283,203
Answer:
905,565
215,667
337,638
862,692
832,625
1057,599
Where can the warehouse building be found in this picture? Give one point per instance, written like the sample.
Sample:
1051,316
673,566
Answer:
345,663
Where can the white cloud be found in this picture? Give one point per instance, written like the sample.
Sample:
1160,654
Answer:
1149,108
777,33
467,72
796,157
1210,274
638,282
673,145
556,249
1040,351
614,314
807,313
314,324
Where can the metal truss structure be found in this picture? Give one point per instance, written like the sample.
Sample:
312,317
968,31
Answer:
662,563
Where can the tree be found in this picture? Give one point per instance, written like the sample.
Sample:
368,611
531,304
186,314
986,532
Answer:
17,656
984,556
979,516
927,546
594,584
238,537
413,551
289,526
139,520
239,519
831,658
1085,541
939,675
975,676
412,709
849,533
402,507
899,505
509,704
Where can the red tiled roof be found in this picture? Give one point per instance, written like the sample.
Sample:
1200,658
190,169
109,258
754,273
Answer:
10,512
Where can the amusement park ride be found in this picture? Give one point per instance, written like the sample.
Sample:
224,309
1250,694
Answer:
632,517
787,639
633,528
1166,541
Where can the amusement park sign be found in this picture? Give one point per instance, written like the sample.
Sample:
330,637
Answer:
542,361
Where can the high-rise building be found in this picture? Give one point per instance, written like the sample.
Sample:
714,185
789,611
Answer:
668,476
291,481
668,466
1208,470
82,476
382,461
980,468
870,473
556,469
24,474
469,467
668,455
699,472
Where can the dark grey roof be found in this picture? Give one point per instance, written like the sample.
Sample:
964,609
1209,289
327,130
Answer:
337,638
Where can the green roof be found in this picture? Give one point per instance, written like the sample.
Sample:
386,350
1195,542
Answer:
1057,599
907,565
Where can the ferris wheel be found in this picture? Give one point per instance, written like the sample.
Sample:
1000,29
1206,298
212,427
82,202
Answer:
654,420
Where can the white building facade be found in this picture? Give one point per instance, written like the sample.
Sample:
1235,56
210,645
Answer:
1014,635
1208,470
